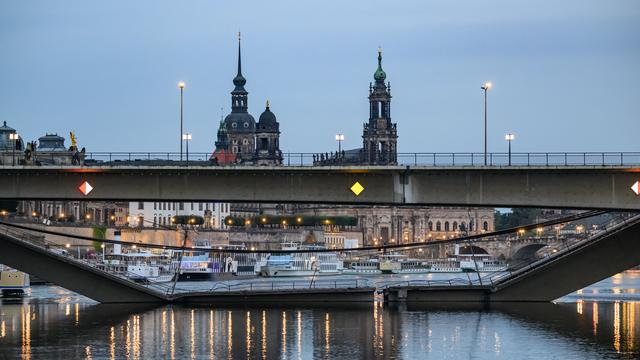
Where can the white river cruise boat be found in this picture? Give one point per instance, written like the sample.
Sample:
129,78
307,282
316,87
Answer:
399,264
142,267
13,282
363,267
299,264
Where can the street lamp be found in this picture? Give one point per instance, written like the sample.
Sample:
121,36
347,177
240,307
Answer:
181,86
14,137
509,138
186,137
339,139
485,87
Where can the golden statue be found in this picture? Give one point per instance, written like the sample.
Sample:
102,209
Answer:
74,143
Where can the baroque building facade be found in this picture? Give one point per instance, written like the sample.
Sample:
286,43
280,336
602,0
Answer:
398,225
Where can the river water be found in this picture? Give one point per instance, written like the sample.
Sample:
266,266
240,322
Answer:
598,322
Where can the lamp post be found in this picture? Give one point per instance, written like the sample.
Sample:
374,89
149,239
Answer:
186,137
14,140
485,87
181,86
509,138
339,139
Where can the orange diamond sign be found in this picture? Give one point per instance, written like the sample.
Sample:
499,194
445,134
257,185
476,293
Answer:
85,188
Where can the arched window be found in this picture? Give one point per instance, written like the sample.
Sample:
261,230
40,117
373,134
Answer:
455,226
462,226
470,225
438,226
446,226
430,226
485,226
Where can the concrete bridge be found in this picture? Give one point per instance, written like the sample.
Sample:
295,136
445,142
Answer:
592,186
567,270
517,249
576,266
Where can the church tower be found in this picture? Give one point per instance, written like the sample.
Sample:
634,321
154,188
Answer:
268,139
380,136
239,124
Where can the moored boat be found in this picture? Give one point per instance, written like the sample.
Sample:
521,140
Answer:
13,282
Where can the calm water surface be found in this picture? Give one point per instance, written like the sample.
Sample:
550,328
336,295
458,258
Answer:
599,322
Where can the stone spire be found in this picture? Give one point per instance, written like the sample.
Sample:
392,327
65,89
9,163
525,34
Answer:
239,81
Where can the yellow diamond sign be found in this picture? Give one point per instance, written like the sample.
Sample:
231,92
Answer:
357,188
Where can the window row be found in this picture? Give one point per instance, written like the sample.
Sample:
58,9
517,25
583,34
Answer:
455,227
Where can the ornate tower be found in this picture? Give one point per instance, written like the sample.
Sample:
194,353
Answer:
240,125
268,139
222,142
380,137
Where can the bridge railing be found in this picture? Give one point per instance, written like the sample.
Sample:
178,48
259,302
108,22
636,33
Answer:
433,159
253,285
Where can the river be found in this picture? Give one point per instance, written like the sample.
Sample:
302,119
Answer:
598,322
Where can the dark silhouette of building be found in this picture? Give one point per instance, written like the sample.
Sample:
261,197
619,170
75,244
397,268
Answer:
268,139
241,130
379,135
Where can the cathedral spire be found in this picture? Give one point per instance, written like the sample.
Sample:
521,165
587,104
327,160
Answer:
379,75
239,81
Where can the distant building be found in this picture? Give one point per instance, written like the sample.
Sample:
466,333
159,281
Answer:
10,149
48,150
157,214
84,212
242,132
385,224
379,135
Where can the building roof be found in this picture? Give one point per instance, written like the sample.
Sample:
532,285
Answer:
51,142
267,121
5,142
224,157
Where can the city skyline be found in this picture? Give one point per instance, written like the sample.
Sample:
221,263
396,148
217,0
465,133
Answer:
561,83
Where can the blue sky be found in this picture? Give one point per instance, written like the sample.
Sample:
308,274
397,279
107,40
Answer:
565,74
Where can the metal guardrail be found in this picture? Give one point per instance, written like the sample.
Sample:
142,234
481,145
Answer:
433,159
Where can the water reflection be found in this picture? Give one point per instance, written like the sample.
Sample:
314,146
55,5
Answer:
566,330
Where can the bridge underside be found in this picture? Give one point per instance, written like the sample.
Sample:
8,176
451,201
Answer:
562,187
106,288
610,255
71,274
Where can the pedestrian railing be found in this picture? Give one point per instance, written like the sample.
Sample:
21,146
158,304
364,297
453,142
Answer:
426,159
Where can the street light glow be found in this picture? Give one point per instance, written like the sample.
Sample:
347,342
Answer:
487,86
339,137
186,137
181,84
509,137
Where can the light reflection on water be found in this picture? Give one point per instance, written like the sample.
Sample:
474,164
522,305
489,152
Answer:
68,326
